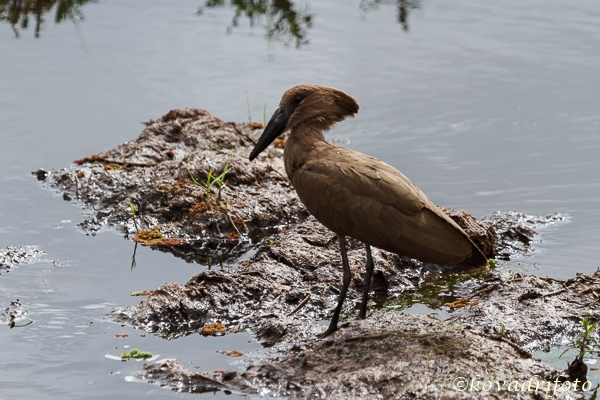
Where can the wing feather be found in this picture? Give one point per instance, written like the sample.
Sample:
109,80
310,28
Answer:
359,196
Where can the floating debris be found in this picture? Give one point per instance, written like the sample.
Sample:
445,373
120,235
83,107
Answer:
135,353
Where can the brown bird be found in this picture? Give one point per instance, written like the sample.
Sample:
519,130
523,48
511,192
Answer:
356,195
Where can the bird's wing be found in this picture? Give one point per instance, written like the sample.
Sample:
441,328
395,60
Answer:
359,196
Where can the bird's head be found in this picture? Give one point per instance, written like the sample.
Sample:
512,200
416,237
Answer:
314,106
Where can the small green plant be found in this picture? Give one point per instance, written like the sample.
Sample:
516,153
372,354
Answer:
133,262
248,105
132,208
211,179
236,151
137,229
583,341
502,330
492,263
135,353
265,115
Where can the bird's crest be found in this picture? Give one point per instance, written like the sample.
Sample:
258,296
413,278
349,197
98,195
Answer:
317,106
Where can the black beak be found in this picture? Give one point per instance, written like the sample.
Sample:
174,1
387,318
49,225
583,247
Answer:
276,126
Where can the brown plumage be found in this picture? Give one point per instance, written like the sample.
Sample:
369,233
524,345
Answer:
357,195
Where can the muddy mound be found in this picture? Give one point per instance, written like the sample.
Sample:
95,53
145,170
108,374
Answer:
517,232
300,266
380,357
387,356
187,174
300,269
536,312
185,186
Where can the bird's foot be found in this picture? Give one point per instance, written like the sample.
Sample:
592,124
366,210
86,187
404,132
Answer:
328,332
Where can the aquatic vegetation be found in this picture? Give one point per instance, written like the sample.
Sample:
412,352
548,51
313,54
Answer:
149,237
135,353
434,292
583,343
215,329
211,179
143,293
132,208
153,237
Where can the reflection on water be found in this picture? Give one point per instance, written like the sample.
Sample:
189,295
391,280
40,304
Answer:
403,8
279,18
283,20
17,12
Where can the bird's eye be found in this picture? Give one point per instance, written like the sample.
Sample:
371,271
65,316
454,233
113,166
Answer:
297,99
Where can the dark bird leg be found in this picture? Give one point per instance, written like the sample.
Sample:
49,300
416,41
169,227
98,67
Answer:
369,266
346,282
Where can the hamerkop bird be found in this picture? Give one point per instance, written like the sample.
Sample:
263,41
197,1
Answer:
356,195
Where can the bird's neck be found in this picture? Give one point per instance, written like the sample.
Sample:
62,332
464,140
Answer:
302,145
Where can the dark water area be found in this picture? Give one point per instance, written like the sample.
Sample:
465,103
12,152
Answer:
485,106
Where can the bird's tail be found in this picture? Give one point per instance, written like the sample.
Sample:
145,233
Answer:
476,262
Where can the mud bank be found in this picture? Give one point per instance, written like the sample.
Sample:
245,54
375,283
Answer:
536,312
302,268
300,272
387,356
12,256
166,179
185,186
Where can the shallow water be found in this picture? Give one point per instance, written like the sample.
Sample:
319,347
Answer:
485,106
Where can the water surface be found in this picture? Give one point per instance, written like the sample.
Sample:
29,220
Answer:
485,106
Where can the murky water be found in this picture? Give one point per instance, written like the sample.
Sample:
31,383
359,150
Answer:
491,106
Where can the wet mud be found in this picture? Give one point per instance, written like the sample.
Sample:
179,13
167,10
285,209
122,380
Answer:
536,312
301,268
12,256
166,179
185,186
13,313
387,356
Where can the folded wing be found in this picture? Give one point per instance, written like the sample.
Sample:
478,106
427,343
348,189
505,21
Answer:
359,196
